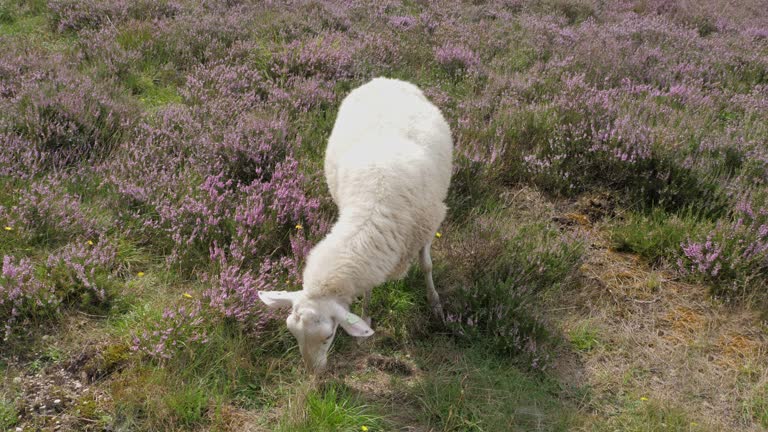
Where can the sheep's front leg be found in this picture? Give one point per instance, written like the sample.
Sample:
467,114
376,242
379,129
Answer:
432,297
366,304
365,317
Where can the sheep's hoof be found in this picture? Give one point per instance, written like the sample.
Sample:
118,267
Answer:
437,311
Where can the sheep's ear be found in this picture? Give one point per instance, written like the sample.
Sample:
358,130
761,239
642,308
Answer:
279,299
355,326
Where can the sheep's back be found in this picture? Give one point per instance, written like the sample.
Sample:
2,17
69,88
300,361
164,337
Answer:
388,140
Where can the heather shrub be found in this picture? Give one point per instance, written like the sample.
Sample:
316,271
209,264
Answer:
575,11
596,143
81,273
68,118
50,215
497,269
23,295
226,177
733,255
457,59
178,328
20,157
67,15
330,55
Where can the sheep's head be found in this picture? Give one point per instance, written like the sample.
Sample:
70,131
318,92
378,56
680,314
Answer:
314,322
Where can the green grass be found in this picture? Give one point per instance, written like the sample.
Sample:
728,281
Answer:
656,235
757,406
649,416
474,390
7,13
330,409
23,25
31,28
150,90
187,405
8,415
584,337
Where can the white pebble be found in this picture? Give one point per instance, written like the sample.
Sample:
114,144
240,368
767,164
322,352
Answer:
57,401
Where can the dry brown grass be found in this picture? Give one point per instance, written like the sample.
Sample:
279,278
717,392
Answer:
663,339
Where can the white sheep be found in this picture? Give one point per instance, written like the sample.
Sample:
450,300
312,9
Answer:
388,167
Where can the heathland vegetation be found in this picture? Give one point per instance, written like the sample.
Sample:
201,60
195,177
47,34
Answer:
603,265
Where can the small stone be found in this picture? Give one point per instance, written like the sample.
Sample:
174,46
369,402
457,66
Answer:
18,429
17,380
57,401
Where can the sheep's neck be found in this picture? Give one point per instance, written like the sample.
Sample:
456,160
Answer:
355,256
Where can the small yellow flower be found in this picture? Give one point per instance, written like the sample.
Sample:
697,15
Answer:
643,398
438,235
140,274
299,227
7,228
187,295
364,428
90,242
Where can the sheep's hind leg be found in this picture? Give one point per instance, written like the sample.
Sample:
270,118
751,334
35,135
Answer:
426,267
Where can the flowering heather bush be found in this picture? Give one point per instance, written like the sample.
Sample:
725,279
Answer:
256,195
19,158
63,116
331,56
177,329
48,214
76,15
456,58
601,144
403,22
235,290
81,271
734,255
22,294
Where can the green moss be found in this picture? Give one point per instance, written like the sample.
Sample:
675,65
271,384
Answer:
87,408
107,361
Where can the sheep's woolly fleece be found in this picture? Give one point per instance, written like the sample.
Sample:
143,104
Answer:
388,167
